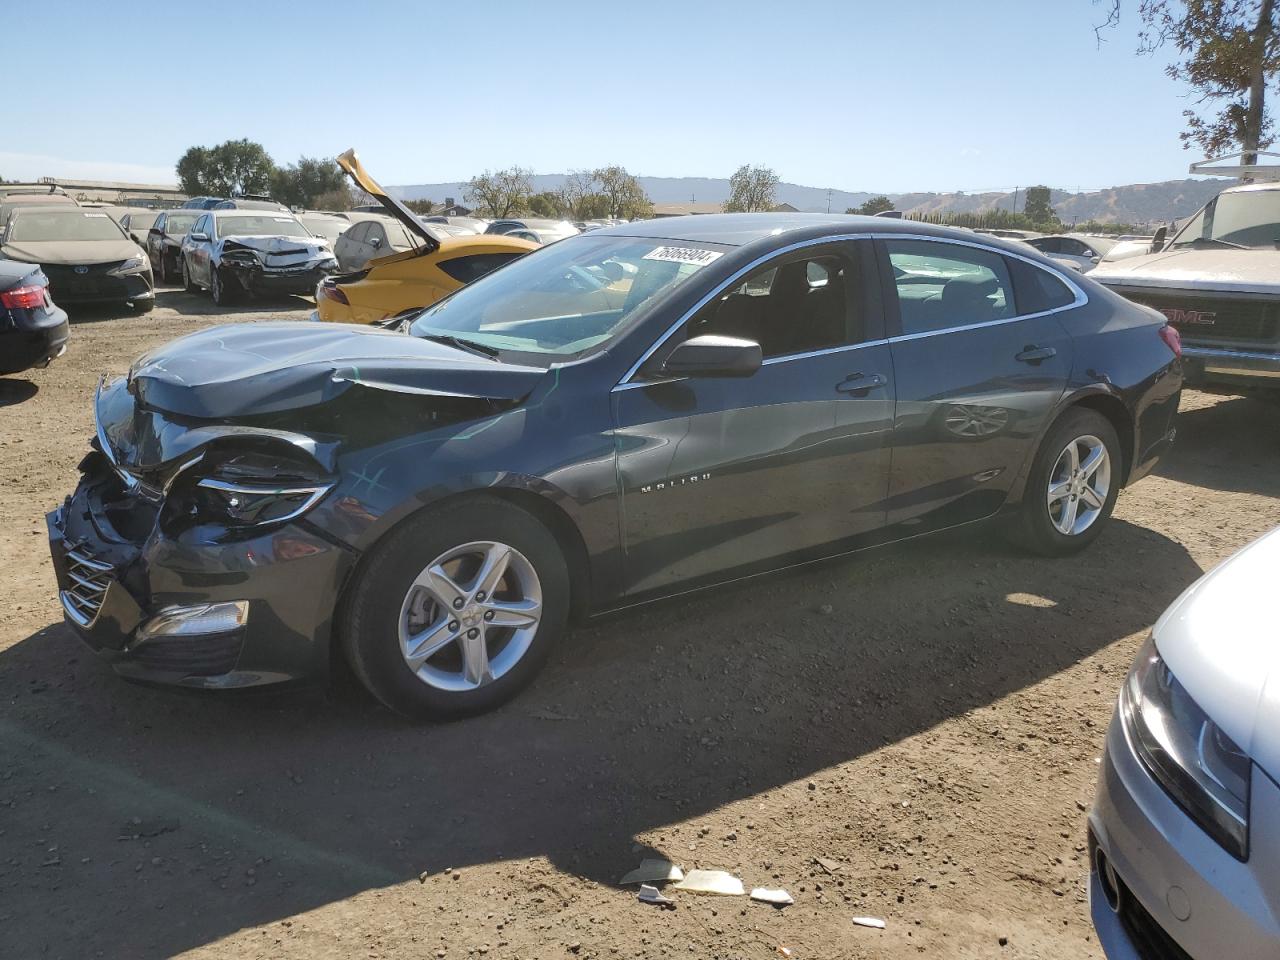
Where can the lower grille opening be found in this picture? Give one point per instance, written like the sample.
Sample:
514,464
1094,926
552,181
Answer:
88,579
1149,938
208,656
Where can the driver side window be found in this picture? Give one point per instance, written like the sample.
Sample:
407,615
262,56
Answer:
796,304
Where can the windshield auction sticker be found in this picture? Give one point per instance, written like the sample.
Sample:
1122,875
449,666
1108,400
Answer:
699,258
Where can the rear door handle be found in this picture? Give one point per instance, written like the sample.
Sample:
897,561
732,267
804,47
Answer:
859,384
1034,355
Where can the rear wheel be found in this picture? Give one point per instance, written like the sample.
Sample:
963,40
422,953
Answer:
187,283
457,610
1073,484
162,270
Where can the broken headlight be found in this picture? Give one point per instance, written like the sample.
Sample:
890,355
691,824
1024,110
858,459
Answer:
240,258
251,490
1199,766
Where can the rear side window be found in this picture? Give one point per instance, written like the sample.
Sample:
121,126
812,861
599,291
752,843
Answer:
945,285
467,269
1038,290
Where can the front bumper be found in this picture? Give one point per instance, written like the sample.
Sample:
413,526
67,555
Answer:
96,286
1180,894
282,281
1207,366
112,581
35,338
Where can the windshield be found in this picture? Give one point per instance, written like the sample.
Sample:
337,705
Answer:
179,223
566,299
36,226
264,225
329,229
1250,218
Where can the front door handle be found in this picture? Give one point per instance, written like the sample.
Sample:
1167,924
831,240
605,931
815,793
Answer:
859,384
1035,355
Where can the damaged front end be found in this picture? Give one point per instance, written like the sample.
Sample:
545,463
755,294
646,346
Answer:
211,533
275,265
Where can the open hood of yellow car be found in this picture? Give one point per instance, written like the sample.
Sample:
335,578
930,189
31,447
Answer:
350,163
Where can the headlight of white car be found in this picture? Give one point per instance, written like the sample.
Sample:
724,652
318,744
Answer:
1199,766
132,265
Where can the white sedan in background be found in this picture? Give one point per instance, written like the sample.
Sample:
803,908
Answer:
1075,250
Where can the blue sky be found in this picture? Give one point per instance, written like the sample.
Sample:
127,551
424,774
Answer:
910,95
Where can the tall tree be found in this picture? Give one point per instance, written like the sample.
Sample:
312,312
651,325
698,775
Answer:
1037,208
230,169
578,195
622,193
547,204
421,207
751,189
873,206
1229,53
500,194
299,184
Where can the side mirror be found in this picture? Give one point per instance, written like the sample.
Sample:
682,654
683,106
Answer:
712,355
1157,242
1095,260
199,237
376,242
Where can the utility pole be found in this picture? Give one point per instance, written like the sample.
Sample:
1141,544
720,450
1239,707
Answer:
1015,199
828,199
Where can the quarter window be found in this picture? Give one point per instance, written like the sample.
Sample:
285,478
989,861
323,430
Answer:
809,302
467,269
1038,290
944,285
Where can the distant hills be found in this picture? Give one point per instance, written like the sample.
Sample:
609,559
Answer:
1131,203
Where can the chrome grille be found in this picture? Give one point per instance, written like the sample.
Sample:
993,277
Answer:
89,578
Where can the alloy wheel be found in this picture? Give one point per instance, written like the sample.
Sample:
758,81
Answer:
470,616
1078,485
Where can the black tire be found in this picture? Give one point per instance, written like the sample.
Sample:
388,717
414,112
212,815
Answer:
162,271
1035,528
188,284
369,622
221,292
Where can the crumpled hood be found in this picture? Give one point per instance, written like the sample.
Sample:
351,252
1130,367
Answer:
258,368
1221,639
273,249
72,251
1237,271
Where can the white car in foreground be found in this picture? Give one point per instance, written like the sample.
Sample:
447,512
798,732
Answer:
1218,282
1185,829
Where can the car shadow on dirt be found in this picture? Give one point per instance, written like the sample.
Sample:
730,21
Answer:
269,805
1228,446
13,392
198,304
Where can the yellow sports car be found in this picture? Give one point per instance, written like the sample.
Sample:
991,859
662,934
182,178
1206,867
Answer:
438,265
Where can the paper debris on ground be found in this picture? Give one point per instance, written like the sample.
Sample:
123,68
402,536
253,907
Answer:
650,894
869,922
786,951
779,898
653,871
711,881
831,866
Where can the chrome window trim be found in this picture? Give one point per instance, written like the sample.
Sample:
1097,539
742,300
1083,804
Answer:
1080,298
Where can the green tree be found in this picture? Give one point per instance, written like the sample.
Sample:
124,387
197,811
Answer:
338,200
1228,52
300,183
622,194
1037,208
421,207
873,206
500,194
547,204
752,189
230,169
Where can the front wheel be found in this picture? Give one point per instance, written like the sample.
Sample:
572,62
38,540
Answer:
218,289
457,610
1073,484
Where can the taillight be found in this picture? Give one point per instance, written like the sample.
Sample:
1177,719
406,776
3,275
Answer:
22,298
1172,339
330,289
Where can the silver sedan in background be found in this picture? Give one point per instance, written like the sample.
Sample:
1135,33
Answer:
1185,829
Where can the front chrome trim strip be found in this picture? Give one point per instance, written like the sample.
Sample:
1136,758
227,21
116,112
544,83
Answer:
1220,353
1080,297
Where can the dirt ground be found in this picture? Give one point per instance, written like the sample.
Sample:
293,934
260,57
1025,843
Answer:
927,719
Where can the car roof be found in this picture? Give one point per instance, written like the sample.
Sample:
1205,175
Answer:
250,212
740,229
